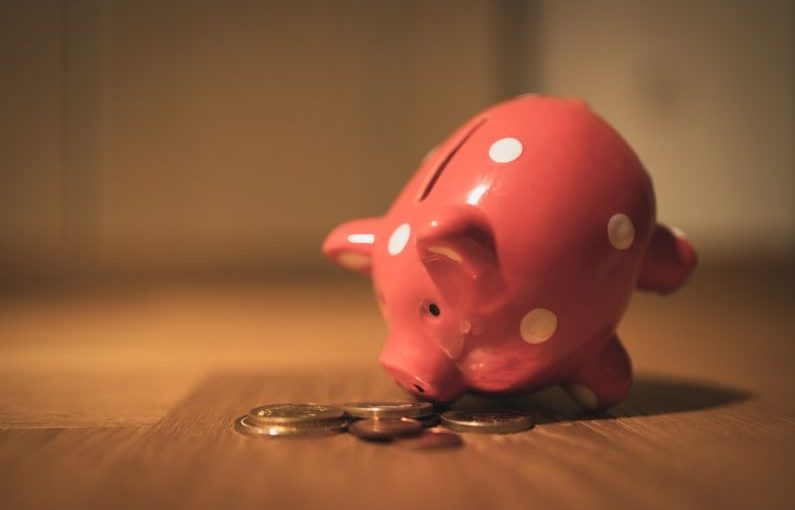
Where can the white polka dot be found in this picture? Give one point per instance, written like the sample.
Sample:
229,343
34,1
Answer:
505,150
353,260
620,231
584,396
538,325
399,239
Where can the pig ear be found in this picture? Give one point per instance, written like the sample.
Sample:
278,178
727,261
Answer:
351,244
457,248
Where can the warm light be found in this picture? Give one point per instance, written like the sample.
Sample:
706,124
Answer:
477,192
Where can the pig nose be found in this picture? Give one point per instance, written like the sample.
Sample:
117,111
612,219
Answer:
422,387
427,376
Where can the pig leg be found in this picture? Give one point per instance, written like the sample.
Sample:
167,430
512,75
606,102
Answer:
603,381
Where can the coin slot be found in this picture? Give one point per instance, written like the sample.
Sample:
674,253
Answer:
443,164
419,388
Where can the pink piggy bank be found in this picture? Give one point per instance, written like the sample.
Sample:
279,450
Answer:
508,260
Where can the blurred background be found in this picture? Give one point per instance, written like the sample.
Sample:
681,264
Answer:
179,163
188,138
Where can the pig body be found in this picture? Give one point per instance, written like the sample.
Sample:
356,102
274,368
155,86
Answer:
509,258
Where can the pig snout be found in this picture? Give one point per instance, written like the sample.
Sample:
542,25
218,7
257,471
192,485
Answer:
424,372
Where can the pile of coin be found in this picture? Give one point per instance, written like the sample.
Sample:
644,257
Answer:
277,420
407,424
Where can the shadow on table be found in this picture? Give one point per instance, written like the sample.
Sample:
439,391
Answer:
651,395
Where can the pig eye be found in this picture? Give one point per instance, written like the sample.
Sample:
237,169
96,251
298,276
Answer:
434,310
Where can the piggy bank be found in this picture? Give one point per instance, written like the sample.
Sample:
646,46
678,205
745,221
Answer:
507,261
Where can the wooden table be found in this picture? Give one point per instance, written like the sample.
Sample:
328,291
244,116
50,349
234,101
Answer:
124,398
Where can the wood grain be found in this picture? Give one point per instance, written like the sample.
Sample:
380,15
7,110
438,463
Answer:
709,423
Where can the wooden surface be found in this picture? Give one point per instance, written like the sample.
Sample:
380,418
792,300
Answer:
124,398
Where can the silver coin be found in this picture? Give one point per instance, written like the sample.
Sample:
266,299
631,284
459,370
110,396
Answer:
494,421
399,409
294,414
384,428
244,426
432,439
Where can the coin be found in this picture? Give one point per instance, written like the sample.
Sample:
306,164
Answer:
294,414
244,425
432,439
431,420
384,428
401,409
494,421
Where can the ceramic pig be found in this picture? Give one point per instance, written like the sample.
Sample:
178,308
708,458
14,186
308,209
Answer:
508,260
